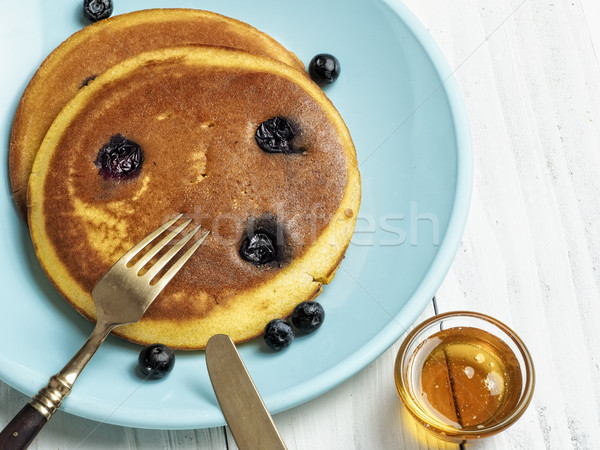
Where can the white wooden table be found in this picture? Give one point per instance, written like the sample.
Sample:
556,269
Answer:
529,72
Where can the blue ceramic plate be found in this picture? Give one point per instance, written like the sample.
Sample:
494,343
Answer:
405,113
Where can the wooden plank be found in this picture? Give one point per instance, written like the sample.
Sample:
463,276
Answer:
530,253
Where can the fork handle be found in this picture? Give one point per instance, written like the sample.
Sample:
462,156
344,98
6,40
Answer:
23,429
25,426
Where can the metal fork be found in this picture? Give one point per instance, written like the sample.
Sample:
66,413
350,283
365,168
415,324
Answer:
121,296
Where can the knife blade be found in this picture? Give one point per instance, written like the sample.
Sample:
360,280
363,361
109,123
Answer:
249,420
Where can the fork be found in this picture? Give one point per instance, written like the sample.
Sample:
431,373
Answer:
122,296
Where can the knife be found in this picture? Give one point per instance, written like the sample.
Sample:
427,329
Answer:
249,420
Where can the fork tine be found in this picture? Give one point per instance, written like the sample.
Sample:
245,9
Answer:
144,242
154,250
164,259
162,282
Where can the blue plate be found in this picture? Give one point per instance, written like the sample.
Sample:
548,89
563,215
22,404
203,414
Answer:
404,111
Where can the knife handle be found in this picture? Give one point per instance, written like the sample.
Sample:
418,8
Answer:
23,429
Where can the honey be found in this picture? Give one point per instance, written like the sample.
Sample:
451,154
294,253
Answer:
463,378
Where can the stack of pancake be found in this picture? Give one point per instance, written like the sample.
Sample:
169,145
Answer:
188,90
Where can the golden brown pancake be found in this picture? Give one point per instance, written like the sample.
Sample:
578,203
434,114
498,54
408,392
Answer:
194,111
97,47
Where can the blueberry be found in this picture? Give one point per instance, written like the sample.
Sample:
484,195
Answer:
278,334
275,135
308,316
156,361
258,248
97,9
119,158
324,68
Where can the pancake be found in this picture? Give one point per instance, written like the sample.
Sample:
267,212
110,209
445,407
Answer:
194,112
101,45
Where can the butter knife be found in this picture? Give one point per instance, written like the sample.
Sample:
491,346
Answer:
249,420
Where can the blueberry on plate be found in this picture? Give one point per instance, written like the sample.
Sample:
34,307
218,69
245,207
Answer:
119,158
308,316
95,10
156,361
324,68
278,334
